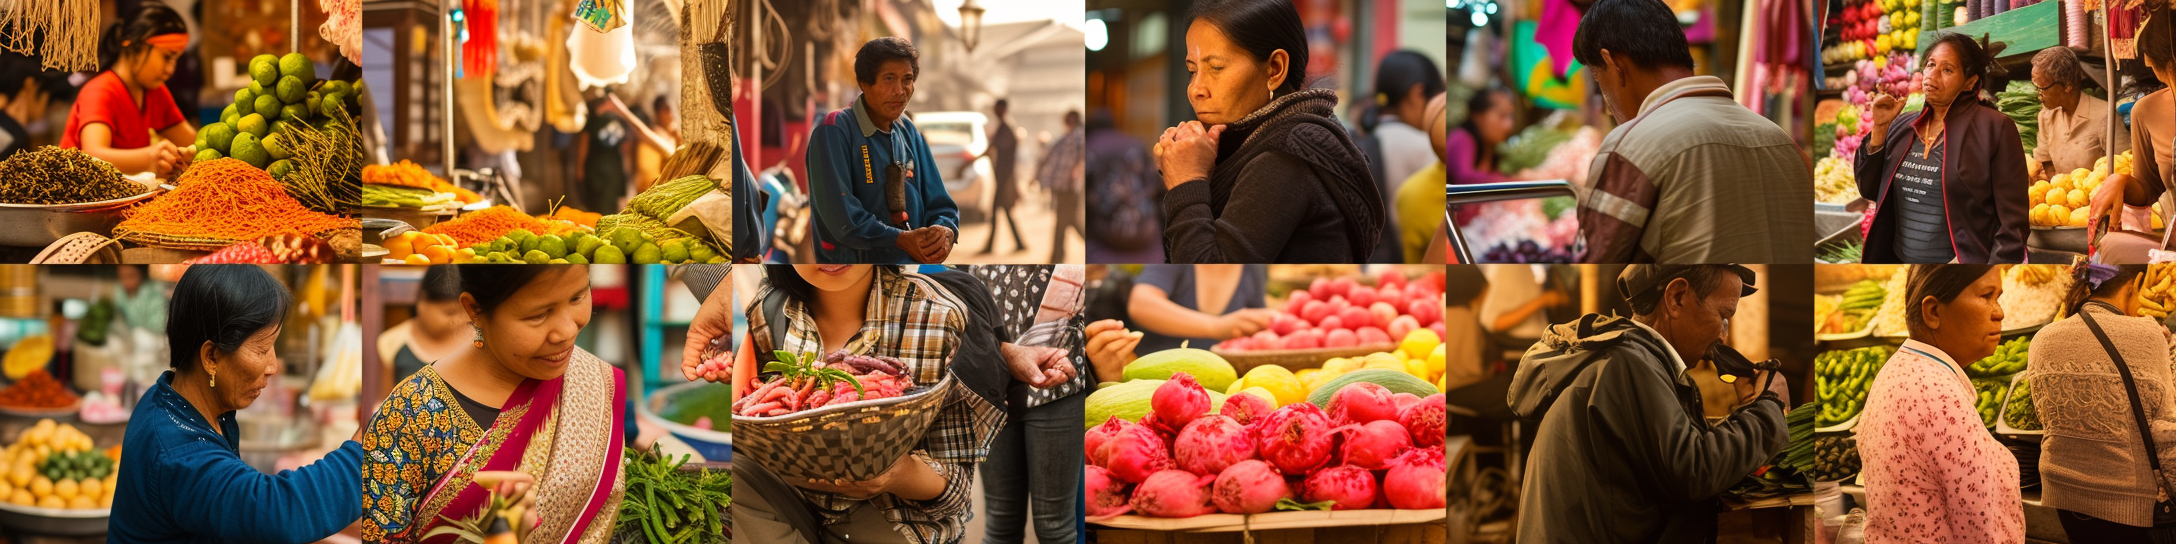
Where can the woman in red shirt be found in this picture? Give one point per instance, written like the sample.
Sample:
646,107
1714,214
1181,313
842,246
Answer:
116,113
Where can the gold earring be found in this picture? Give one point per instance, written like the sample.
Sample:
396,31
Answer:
215,377
479,337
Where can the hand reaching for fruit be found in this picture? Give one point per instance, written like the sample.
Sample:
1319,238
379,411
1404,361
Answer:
709,346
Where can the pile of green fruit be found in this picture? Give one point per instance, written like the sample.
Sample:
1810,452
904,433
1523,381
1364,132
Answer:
617,246
283,92
1841,378
2021,414
1836,458
2008,359
1990,401
77,465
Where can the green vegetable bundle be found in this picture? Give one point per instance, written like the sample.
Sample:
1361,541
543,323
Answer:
669,505
1529,148
2021,414
667,198
1786,473
2021,102
1841,379
388,196
2008,359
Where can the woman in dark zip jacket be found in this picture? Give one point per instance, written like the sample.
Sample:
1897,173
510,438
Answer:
1949,180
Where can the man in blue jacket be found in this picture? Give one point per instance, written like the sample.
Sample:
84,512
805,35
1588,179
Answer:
861,155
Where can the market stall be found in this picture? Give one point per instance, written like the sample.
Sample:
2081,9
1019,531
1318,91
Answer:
1875,47
1168,452
82,343
1860,314
264,179
515,76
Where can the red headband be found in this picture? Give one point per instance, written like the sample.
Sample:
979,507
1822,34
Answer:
174,42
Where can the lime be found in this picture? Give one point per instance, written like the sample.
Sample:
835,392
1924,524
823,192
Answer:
626,239
297,66
529,242
674,252
699,252
248,150
207,154
585,244
254,124
267,106
577,258
295,112
331,99
714,259
265,69
535,257
219,135
291,90
280,169
258,89
337,85
552,245
648,254
276,145
609,255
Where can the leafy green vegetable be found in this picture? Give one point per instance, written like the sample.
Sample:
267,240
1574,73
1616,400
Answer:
2021,102
668,505
1529,148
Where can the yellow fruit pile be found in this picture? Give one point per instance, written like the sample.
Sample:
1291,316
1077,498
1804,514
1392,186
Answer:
26,484
2157,293
2066,199
1421,354
416,247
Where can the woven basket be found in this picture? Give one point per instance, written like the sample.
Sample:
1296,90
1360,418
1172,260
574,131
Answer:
1295,359
80,248
855,441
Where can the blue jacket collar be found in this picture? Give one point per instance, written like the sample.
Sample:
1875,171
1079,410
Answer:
163,397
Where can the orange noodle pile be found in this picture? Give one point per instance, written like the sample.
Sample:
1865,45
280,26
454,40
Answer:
227,199
490,223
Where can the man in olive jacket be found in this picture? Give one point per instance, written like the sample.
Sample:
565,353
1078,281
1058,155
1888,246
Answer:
1622,453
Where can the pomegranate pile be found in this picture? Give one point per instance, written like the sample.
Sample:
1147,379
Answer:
1343,313
798,382
1369,449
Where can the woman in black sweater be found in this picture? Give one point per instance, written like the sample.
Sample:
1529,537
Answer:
1266,174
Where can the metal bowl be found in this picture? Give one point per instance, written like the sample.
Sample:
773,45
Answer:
2070,239
712,445
54,521
414,217
33,225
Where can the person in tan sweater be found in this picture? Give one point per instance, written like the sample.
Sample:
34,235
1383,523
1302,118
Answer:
2093,465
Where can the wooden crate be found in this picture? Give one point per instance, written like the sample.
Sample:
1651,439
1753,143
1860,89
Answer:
1383,526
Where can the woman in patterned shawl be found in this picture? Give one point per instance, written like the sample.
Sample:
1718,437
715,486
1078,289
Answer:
524,404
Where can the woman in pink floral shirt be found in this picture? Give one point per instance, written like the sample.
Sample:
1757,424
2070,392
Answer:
1933,472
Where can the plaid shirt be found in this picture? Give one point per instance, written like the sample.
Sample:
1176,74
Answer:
911,318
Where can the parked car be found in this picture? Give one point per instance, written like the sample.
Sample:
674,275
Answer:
955,137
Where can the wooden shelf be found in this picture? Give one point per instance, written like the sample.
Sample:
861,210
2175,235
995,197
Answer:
2026,30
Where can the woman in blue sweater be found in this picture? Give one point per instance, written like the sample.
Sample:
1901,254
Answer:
182,478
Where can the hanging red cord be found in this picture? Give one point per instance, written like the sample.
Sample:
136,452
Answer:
480,54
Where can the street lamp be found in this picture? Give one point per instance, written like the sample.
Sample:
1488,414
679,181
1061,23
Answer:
970,24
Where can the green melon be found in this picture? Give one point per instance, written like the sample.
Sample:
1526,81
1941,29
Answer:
1128,400
1395,381
1214,373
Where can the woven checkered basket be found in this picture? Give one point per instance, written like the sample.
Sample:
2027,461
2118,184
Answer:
856,441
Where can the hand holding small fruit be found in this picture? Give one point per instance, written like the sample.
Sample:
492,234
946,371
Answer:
1244,322
1187,152
712,321
1885,110
1110,347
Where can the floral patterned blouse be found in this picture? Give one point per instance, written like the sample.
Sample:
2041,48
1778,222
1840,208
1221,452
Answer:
1933,472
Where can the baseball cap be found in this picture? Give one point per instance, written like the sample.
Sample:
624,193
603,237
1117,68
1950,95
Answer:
1641,281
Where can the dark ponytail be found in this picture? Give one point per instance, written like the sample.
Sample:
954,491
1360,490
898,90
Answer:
1396,73
152,18
1261,27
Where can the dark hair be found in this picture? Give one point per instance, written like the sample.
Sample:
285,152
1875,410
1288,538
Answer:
1072,117
2157,42
2079,292
441,283
16,69
1703,279
1001,104
152,18
1261,27
1463,284
1941,281
1394,74
874,54
1481,101
1645,31
491,285
223,304
1972,57
2061,65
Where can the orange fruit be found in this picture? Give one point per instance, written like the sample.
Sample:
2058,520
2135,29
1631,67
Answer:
438,254
399,247
415,259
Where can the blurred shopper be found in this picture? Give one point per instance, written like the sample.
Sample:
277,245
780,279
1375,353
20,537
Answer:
1420,198
1470,153
1393,133
860,157
1691,176
23,98
1266,173
1129,222
1004,155
1933,472
438,329
1061,173
1598,478
2153,137
2096,467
